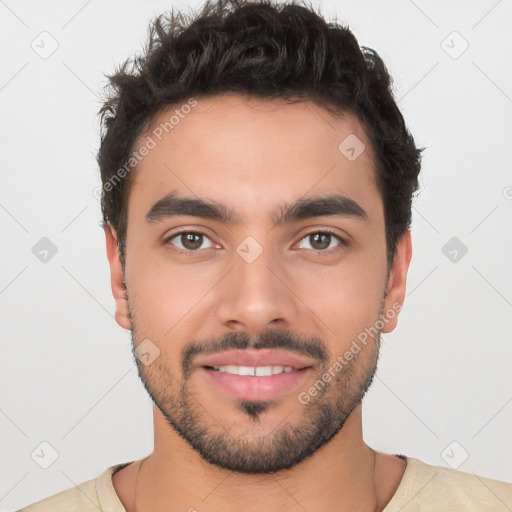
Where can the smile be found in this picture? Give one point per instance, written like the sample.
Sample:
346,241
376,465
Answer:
255,382
254,371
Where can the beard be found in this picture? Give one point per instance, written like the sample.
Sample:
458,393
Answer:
256,451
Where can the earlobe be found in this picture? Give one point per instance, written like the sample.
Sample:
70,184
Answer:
397,280
119,292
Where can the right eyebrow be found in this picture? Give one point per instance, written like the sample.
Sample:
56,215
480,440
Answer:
172,206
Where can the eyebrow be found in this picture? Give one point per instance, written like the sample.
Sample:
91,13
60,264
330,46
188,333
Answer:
334,205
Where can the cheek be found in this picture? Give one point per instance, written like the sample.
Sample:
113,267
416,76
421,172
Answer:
346,297
163,305
166,296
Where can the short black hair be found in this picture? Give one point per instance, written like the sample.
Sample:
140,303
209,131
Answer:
263,49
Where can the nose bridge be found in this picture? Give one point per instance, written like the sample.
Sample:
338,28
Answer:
255,292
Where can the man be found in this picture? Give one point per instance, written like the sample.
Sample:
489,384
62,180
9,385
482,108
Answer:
257,185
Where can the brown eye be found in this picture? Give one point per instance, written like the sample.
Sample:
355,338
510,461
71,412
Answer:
188,241
191,241
323,241
320,241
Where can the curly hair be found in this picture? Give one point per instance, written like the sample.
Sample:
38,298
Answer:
268,50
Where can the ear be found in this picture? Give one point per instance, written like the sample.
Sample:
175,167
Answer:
117,279
395,289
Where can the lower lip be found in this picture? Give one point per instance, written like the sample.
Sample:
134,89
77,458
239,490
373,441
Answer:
256,388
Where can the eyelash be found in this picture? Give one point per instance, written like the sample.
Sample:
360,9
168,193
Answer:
342,242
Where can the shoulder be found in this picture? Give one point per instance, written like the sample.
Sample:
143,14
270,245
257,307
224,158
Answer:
79,498
428,488
94,495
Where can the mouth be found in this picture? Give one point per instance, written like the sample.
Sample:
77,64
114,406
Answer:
255,371
245,382
254,374
266,361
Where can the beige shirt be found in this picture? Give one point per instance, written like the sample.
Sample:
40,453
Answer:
423,488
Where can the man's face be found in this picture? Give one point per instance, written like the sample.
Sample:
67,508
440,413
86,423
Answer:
211,293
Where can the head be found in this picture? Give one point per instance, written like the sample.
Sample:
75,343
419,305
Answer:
257,188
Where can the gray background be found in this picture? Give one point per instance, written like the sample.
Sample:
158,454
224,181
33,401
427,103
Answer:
443,389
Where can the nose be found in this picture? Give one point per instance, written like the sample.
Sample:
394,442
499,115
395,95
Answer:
257,295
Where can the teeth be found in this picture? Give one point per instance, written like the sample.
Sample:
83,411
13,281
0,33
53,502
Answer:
258,371
242,370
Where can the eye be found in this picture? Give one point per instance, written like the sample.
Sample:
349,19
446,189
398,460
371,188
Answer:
193,241
189,241
322,240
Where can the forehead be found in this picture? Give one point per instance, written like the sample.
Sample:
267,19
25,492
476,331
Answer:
253,154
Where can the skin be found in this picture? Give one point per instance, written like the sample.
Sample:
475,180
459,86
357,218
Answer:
253,156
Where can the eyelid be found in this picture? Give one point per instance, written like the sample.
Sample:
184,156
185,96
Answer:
167,239
343,240
342,235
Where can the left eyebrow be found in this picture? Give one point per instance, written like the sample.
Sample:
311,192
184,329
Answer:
335,205
332,206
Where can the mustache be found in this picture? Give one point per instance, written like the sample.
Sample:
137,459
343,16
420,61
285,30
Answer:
310,346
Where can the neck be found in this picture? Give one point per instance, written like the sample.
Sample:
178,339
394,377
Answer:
345,474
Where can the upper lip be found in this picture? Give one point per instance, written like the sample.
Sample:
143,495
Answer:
249,357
